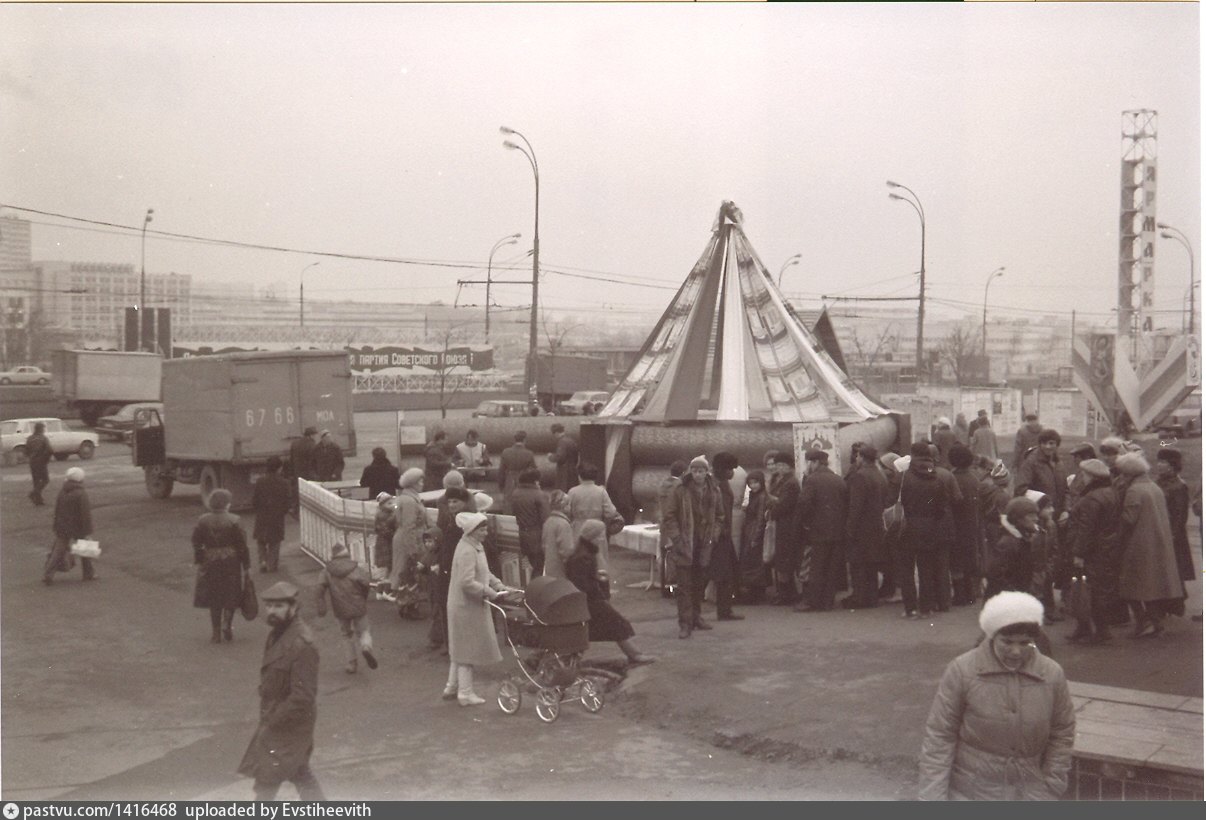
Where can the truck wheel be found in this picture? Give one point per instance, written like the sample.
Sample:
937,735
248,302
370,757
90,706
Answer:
61,456
5,380
210,480
87,448
158,484
43,381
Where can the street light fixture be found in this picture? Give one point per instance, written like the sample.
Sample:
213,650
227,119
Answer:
984,325
791,260
915,203
142,279
301,293
1169,232
530,153
511,239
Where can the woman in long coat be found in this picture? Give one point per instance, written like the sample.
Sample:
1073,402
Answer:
471,638
589,500
1147,579
606,624
1002,723
557,536
222,559
408,538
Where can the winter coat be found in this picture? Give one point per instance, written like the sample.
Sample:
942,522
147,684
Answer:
348,585
450,536
869,497
782,512
1045,475
822,507
944,438
692,526
301,456
753,542
557,539
38,450
590,501
271,498
471,637
665,496
1149,566
1018,561
411,520
284,738
969,525
606,624
437,463
1094,523
511,462
724,555
328,461
927,503
984,442
994,734
1027,437
381,476
72,512
530,506
220,553
565,456
1176,497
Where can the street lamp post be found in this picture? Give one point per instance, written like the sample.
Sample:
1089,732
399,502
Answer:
530,153
984,325
301,293
506,240
791,260
915,202
1169,232
142,279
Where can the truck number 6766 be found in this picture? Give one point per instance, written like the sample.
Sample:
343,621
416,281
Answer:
280,415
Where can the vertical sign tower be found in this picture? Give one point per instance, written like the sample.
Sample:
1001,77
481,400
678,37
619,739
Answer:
1137,237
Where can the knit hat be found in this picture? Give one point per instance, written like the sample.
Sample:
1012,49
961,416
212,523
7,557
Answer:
469,521
383,497
75,474
219,500
1020,507
453,478
482,502
699,460
1095,468
1008,608
410,478
593,530
1132,464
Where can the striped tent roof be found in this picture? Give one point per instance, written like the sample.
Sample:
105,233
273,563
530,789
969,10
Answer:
730,347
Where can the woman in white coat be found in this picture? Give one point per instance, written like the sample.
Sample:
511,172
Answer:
471,638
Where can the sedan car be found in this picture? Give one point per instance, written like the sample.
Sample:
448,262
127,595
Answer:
119,425
26,374
63,442
583,403
500,409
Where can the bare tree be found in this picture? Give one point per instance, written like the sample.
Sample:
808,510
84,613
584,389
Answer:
450,385
958,349
869,348
555,335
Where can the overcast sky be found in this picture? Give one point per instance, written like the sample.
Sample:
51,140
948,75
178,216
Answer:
373,130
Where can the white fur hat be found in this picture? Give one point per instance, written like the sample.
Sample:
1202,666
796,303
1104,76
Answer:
1007,608
75,474
482,502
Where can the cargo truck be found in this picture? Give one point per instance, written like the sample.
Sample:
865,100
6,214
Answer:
224,416
95,383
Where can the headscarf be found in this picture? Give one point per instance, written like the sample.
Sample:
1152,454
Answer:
468,522
699,461
559,501
410,478
383,497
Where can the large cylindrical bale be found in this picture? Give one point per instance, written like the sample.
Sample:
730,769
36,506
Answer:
499,433
879,432
748,441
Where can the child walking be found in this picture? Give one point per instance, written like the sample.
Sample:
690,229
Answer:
348,584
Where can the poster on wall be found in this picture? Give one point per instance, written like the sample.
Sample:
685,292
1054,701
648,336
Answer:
816,436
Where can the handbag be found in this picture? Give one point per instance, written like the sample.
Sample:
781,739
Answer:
613,523
85,548
250,605
894,516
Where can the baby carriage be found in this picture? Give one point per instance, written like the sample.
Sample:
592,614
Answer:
551,623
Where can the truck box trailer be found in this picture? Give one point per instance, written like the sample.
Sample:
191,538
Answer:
228,414
97,383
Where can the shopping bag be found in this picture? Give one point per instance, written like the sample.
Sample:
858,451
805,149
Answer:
250,605
768,543
85,548
893,516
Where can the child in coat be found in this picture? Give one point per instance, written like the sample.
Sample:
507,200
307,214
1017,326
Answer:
347,585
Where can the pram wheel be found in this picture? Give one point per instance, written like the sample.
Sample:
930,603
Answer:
592,701
548,704
509,697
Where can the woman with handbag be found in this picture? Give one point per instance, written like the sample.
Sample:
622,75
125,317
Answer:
606,624
223,561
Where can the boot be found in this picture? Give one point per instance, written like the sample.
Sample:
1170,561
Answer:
217,636
684,630
227,618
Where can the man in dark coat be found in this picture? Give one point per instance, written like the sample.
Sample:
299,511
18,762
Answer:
1093,530
38,452
1176,497
944,438
1027,437
220,553
301,460
783,496
565,456
328,458
512,462
437,459
270,499
969,529
822,523
865,549
72,520
1042,471
281,747
723,566
530,506
456,500
692,523
924,542
381,476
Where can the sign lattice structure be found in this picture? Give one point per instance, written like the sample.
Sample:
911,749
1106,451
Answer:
1137,236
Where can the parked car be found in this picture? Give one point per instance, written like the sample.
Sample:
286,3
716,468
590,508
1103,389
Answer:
63,442
120,425
25,374
1186,420
496,408
583,403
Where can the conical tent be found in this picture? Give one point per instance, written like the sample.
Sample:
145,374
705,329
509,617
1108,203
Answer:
729,347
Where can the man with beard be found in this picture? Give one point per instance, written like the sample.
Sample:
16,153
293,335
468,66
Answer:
281,747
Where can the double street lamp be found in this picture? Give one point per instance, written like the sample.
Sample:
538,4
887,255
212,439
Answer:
791,260
510,239
301,293
142,279
1169,232
530,153
915,202
984,325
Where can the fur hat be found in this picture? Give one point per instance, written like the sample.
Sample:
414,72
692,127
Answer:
817,455
1008,608
1173,457
453,478
1132,464
1019,507
482,502
75,474
919,449
469,521
592,530
410,478
219,500
383,497
1113,444
943,421
1095,468
699,460
888,461
724,460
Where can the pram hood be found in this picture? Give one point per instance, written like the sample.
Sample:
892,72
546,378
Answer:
556,601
